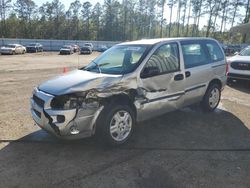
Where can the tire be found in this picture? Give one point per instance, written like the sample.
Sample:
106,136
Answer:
115,124
211,98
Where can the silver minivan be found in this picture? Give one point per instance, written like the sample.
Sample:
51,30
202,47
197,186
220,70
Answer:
131,82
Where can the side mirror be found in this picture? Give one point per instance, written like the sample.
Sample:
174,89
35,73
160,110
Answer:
150,71
236,53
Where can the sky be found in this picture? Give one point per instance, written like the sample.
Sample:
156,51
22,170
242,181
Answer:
67,2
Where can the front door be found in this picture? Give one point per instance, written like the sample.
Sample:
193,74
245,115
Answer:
162,81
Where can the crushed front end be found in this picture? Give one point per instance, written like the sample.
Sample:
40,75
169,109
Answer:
70,116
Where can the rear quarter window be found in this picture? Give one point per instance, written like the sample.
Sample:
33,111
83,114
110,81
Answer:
215,51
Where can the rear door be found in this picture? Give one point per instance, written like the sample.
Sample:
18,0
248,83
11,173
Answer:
197,70
164,89
217,59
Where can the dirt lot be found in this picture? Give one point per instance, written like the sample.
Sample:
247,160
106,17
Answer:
186,148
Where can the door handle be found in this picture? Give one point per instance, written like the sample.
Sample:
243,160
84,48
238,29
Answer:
187,74
178,77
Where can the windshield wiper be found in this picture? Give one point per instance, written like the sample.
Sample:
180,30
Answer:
93,67
96,66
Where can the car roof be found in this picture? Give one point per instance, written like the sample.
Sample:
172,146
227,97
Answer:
14,44
158,40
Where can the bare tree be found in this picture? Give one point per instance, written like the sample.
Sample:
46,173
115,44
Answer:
170,4
86,13
211,7
184,15
162,3
247,14
235,5
5,5
224,5
188,18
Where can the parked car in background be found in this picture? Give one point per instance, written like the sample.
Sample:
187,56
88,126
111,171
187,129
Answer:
102,48
66,49
12,49
232,49
75,47
131,82
86,49
90,45
34,47
239,66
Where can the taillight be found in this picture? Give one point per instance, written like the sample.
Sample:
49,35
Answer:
227,66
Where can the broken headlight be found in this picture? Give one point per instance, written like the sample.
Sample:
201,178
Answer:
69,101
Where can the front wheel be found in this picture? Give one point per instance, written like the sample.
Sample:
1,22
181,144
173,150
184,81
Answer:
115,124
211,98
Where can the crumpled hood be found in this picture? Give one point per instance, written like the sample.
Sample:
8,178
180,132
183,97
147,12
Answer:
78,80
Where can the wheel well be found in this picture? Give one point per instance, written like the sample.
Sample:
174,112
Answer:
216,81
120,99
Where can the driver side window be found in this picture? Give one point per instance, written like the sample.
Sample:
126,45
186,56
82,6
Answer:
164,60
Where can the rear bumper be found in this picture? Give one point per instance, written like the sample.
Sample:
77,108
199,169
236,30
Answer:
31,50
86,52
6,52
82,119
65,52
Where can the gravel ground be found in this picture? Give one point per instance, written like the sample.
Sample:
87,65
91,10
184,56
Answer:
186,148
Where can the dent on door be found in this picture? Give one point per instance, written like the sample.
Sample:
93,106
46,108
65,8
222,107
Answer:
162,94
163,91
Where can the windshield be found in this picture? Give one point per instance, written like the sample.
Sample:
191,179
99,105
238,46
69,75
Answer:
67,47
245,52
87,45
119,59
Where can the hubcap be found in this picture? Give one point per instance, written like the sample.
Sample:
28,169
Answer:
214,97
120,125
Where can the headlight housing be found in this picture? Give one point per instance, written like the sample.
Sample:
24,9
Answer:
69,101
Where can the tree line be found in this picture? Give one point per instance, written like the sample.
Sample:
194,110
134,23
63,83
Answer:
117,20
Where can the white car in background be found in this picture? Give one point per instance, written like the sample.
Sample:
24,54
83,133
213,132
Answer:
239,65
13,49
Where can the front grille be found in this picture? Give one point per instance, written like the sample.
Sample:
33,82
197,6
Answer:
38,101
240,65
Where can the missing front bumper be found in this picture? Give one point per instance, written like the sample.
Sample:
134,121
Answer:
66,124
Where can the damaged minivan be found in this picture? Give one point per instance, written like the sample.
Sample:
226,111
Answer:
128,83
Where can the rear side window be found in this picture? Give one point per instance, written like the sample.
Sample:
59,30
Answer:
194,54
214,51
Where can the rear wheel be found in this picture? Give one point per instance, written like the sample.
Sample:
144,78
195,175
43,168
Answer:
115,124
211,98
